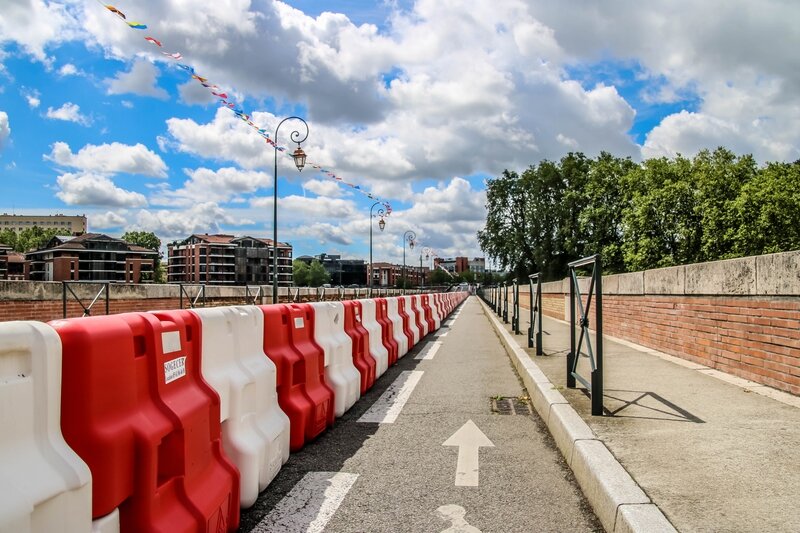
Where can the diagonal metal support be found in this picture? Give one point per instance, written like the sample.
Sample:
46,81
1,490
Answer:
535,327
87,309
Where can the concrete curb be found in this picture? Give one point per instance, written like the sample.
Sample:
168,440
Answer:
617,500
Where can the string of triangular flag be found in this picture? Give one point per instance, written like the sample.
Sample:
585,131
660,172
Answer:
226,101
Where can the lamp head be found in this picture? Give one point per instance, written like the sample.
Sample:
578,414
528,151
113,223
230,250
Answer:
381,223
299,158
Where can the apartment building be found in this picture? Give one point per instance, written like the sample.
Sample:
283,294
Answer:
91,257
387,275
458,265
227,260
75,225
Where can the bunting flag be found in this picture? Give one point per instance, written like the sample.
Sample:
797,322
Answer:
244,117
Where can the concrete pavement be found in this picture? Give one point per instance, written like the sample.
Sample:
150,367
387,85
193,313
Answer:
710,453
399,476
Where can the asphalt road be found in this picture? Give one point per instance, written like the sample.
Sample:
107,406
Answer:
399,477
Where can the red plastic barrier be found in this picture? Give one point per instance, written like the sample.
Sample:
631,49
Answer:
428,312
421,325
437,299
135,407
362,360
302,392
404,311
381,314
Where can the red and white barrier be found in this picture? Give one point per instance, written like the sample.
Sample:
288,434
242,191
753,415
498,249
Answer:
376,348
340,372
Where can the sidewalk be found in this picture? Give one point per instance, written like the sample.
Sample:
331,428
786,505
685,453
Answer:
712,455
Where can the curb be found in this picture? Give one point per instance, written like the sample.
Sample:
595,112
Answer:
617,500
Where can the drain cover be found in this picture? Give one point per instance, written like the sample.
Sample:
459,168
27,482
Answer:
506,405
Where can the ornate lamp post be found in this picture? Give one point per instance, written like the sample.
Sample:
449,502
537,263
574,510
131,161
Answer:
427,251
407,236
299,161
381,225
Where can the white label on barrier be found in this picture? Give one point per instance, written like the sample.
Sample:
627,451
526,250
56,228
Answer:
170,341
174,369
298,322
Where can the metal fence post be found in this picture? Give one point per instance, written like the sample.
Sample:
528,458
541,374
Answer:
505,302
515,317
597,374
571,355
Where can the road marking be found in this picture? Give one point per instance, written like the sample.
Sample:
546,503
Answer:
440,335
310,504
429,352
455,515
387,408
468,439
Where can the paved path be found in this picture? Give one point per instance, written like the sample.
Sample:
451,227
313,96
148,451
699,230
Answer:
713,455
397,476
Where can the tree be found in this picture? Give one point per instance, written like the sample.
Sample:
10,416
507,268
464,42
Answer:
30,238
317,275
438,277
768,207
149,240
300,273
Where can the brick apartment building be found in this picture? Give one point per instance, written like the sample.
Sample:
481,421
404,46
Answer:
462,264
227,260
91,257
387,274
343,272
13,265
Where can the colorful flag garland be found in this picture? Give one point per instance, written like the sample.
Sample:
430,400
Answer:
225,101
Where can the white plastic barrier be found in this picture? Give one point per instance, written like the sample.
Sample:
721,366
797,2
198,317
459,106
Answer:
44,485
255,431
340,372
422,322
393,311
431,302
376,348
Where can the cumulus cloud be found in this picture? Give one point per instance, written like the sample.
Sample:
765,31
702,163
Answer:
68,112
110,158
107,220
68,69
35,24
31,96
95,189
141,79
193,93
206,185
324,188
5,129
206,217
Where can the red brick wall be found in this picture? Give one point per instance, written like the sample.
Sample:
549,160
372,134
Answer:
756,338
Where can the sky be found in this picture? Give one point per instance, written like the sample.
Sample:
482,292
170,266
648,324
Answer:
417,103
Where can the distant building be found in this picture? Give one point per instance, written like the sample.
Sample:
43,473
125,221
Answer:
458,265
227,260
13,265
388,275
75,225
342,271
91,257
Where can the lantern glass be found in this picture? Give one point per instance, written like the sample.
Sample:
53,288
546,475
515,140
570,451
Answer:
299,158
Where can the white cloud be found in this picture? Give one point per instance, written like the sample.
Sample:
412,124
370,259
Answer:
107,220
68,69
110,158
192,92
5,129
141,79
31,96
206,217
302,209
326,188
127,104
68,112
95,189
206,185
35,24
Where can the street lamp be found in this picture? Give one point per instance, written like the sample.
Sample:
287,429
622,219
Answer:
299,161
381,225
427,251
407,236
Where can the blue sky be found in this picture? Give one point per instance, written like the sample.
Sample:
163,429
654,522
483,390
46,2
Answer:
416,102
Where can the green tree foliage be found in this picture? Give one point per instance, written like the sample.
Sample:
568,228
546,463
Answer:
300,273
659,213
317,275
438,277
30,238
149,240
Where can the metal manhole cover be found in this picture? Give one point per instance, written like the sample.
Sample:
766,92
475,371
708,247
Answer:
508,405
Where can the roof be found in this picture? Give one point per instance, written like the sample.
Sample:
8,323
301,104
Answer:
219,238
62,242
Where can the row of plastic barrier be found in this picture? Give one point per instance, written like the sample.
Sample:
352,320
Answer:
174,420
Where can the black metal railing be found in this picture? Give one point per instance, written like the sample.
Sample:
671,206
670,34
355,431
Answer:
505,302
535,327
253,298
87,309
594,354
515,307
193,301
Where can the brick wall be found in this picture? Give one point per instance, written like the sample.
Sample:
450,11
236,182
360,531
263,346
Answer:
739,316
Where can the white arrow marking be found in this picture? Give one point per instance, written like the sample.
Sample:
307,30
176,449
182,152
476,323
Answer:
468,439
